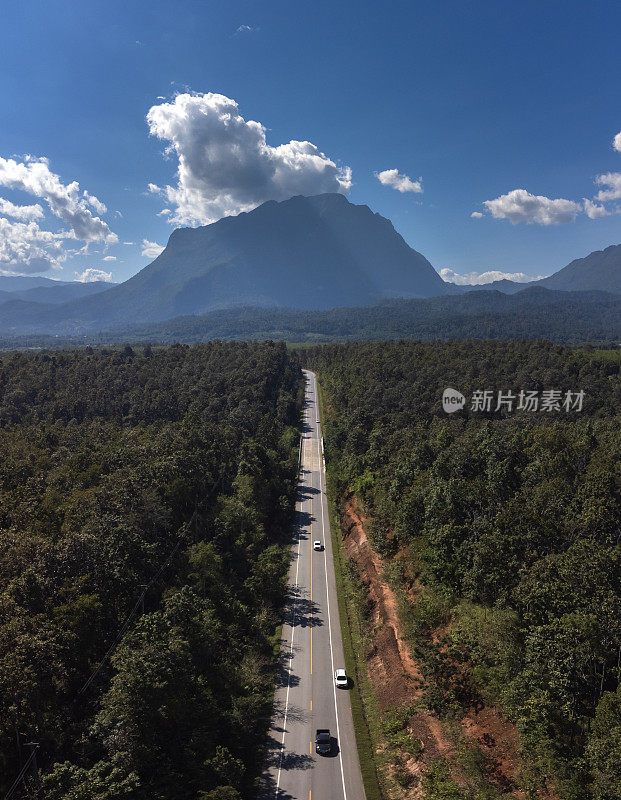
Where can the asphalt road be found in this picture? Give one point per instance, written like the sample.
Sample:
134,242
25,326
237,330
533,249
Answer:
311,650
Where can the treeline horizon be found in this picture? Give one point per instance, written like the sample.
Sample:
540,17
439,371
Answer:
536,313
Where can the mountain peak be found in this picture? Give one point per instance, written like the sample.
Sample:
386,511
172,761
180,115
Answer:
315,252
600,270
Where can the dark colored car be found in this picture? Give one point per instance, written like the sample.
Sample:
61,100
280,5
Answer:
323,742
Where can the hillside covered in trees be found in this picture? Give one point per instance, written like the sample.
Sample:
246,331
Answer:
534,313
509,525
145,512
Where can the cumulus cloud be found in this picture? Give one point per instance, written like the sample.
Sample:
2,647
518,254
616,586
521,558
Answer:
109,258
225,165
612,182
26,248
522,206
480,278
151,249
402,183
24,213
91,275
593,211
33,176
92,201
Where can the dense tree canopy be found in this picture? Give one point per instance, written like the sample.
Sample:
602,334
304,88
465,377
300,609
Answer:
145,510
512,524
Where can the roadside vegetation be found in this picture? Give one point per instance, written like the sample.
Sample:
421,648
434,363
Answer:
145,516
353,618
500,537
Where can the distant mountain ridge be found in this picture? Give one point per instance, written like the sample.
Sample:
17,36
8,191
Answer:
599,271
45,290
306,253
17,283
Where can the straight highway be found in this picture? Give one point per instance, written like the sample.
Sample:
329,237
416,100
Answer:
306,697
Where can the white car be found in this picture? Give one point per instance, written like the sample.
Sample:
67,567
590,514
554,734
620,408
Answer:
340,679
317,545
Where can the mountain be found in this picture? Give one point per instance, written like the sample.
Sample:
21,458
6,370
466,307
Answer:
504,285
599,271
15,283
45,290
305,252
60,292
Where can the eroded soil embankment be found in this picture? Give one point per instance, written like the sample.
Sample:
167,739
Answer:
398,682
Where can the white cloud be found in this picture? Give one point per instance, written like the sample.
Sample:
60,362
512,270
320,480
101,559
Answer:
593,211
612,180
20,212
33,176
91,275
480,278
399,181
245,29
109,258
522,206
476,215
92,201
25,248
151,249
616,142
128,243
226,165
153,188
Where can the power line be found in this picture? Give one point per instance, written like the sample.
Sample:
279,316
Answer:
128,620
119,636
140,600
22,772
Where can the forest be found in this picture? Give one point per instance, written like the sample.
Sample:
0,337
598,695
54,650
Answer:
146,502
567,317
510,524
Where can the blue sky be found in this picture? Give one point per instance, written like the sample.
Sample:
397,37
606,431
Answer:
470,100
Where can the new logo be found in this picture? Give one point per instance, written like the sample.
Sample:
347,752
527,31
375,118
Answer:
452,400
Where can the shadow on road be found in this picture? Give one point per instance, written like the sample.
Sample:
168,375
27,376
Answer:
305,492
294,714
286,761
